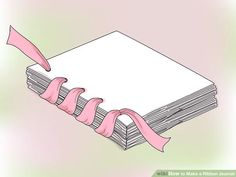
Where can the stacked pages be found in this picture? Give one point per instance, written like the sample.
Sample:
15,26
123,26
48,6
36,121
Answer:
128,74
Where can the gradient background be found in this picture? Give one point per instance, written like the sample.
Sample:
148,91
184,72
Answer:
37,139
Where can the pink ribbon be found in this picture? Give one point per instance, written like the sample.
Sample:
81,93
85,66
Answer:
52,92
88,114
28,48
70,102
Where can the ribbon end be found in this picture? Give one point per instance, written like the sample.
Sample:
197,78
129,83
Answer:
48,69
12,31
165,141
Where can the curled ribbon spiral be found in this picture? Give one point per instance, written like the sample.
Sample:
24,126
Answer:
87,115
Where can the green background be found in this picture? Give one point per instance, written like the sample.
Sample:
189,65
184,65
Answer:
37,139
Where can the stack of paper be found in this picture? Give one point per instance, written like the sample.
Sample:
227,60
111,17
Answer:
128,74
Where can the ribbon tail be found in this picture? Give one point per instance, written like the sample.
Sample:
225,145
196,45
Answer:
28,48
155,140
